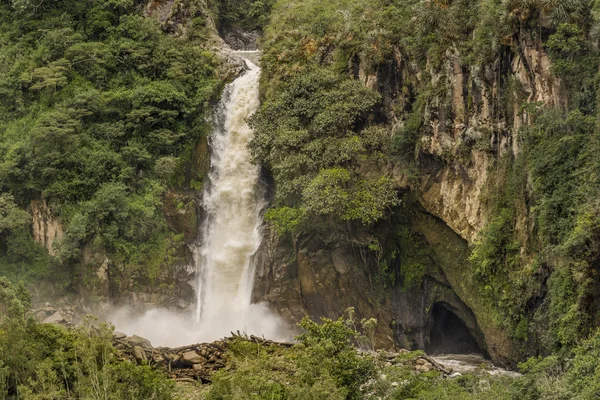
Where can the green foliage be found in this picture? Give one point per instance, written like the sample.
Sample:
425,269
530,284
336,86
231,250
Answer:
404,256
559,151
285,219
558,11
20,257
559,157
11,217
244,14
340,32
273,373
316,367
98,108
312,135
575,377
496,256
39,362
575,62
565,320
583,377
324,365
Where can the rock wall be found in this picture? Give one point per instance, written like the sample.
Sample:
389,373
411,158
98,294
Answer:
47,227
465,131
306,278
466,128
468,124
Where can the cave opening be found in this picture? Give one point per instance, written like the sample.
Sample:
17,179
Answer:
449,334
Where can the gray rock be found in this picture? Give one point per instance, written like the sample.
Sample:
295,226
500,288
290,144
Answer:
158,359
119,335
138,341
40,315
425,367
198,368
55,318
239,39
191,357
139,354
182,304
232,65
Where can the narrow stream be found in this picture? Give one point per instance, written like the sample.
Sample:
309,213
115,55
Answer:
472,364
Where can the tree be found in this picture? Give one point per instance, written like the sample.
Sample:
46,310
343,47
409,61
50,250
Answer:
314,134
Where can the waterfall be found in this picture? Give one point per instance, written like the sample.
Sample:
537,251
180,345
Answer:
229,237
231,233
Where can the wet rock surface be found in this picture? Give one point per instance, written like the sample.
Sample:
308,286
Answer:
239,39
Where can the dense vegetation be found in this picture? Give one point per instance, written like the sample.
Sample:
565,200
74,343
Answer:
41,361
243,14
101,108
99,112
311,135
315,370
539,280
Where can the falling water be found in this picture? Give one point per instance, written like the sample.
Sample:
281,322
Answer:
231,234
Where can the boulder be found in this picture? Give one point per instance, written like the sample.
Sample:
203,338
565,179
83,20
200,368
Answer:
55,318
199,368
424,367
139,354
158,359
191,358
138,341
40,315
119,335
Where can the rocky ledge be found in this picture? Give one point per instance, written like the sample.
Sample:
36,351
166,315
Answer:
191,363
197,362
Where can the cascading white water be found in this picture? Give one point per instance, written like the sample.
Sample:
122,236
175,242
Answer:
231,232
230,236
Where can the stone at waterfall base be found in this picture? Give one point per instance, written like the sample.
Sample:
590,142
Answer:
191,358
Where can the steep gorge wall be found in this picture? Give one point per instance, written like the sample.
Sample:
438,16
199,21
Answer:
471,122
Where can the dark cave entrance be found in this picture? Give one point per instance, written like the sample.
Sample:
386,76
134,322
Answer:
449,334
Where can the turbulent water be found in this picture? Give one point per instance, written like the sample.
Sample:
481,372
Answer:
230,236
232,232
472,364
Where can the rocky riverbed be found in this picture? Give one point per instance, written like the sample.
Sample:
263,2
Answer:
196,362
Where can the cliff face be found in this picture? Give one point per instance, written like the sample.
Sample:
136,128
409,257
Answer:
464,135
47,228
467,135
